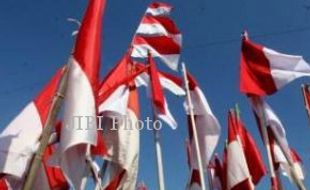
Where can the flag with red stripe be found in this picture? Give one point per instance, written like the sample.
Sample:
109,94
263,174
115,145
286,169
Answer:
264,71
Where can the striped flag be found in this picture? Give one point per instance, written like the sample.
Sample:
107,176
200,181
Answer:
264,71
158,34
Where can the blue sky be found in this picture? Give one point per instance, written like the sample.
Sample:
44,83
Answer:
35,40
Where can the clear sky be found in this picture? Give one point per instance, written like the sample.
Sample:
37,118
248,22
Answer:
35,40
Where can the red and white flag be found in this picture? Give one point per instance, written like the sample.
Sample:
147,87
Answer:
160,105
194,182
159,9
121,112
20,139
158,34
264,71
166,48
207,125
276,130
217,173
159,26
142,186
238,173
80,101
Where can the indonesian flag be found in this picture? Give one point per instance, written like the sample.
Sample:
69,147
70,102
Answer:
159,9
276,130
238,174
208,127
252,154
160,105
264,71
217,173
122,139
80,101
20,140
194,182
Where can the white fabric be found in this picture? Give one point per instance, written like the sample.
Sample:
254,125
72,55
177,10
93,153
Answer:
116,103
167,117
141,51
160,11
237,169
286,68
208,127
19,140
194,186
79,101
167,84
278,130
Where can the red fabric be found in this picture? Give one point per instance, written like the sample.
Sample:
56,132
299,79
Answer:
245,185
166,22
116,181
3,184
252,154
44,100
191,81
157,91
162,44
195,177
295,156
306,96
88,43
255,73
219,171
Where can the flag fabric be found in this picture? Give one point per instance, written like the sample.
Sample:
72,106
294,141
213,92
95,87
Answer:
238,174
159,9
158,34
142,186
166,48
159,102
207,125
194,182
4,185
18,142
264,71
217,173
306,95
80,99
159,26
252,154
276,130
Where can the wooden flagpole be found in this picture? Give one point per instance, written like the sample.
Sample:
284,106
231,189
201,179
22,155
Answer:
263,128
191,112
47,131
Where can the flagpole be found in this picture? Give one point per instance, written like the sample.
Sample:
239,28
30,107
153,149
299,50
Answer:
47,131
191,111
263,128
160,167
303,89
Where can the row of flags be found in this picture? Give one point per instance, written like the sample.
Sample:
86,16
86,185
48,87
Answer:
71,156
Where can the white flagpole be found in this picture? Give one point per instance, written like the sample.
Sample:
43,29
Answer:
160,167
191,112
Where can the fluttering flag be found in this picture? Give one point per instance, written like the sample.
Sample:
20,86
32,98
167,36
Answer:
159,9
20,139
76,138
208,127
4,185
276,130
141,186
306,95
121,133
264,71
217,173
158,34
159,102
238,173
194,182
